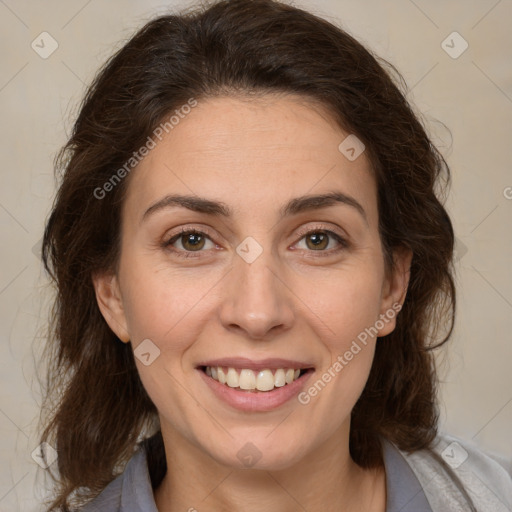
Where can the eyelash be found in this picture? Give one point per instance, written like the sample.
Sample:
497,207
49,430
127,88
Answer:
192,254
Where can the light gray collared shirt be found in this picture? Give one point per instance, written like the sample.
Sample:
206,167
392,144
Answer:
132,491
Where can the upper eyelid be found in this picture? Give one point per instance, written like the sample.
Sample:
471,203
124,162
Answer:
302,232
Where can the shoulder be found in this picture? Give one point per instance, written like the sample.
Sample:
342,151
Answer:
129,492
454,467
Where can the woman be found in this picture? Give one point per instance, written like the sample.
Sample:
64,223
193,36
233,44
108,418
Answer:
253,267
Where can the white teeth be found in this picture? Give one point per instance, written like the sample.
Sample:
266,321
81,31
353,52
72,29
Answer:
279,378
263,380
247,379
232,379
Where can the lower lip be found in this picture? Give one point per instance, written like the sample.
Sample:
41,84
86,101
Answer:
256,401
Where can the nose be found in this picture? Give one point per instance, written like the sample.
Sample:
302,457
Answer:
257,301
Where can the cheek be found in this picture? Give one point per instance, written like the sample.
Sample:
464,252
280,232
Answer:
347,308
170,309
344,301
161,302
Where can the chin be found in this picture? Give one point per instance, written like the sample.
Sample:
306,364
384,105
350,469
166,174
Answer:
259,453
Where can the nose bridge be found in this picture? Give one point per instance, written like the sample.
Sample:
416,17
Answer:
255,301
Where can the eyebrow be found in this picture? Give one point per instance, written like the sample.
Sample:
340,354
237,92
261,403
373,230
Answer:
219,209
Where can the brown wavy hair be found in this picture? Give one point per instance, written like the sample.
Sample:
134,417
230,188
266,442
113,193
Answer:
96,409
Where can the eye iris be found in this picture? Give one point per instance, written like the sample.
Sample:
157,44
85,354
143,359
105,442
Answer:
198,244
317,240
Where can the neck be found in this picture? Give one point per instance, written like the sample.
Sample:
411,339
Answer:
325,479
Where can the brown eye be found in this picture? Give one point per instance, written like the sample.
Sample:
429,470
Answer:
192,241
319,240
188,242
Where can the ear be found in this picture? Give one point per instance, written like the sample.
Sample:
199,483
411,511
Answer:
108,296
394,289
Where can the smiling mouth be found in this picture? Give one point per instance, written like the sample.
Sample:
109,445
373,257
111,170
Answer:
263,380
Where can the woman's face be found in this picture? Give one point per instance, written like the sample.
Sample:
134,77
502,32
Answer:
271,274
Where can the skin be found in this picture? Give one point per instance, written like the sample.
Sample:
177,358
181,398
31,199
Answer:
254,155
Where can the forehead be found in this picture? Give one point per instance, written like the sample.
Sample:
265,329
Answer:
251,152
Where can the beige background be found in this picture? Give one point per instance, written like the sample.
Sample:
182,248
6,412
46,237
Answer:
471,95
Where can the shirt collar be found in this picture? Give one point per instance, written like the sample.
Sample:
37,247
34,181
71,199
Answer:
404,491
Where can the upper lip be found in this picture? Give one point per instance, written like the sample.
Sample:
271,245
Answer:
252,364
